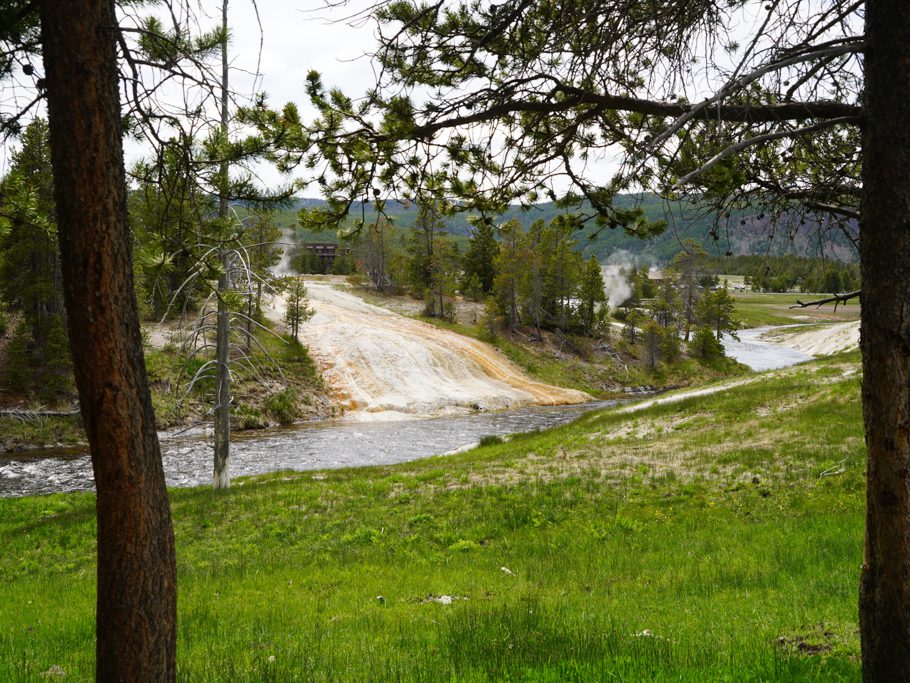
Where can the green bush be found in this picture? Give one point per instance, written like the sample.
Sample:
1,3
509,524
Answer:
246,417
705,345
282,406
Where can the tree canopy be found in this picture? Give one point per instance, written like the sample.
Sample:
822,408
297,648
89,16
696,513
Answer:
486,103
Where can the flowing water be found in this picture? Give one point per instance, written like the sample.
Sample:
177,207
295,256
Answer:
751,350
188,462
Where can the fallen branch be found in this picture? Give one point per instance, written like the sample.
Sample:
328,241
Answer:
26,415
835,298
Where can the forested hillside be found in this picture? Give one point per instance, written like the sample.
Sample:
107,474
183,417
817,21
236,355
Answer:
739,233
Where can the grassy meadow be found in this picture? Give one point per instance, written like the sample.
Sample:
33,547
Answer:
718,538
758,309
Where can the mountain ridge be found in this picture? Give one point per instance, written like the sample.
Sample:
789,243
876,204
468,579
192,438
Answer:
740,233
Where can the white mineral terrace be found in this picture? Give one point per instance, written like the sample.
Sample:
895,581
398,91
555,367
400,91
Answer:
382,365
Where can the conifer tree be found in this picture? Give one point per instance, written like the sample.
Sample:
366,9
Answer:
298,310
592,296
30,274
481,253
717,310
689,267
510,266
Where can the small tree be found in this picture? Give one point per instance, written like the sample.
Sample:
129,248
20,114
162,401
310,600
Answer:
689,267
671,345
427,235
298,309
591,295
717,309
666,306
635,320
376,251
479,259
705,345
442,266
263,254
472,288
509,269
491,318
530,270
563,266
653,335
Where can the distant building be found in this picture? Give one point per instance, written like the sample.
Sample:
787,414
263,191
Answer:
325,252
656,275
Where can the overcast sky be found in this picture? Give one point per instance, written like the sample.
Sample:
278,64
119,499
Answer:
297,36
300,36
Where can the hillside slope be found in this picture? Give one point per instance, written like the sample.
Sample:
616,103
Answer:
752,233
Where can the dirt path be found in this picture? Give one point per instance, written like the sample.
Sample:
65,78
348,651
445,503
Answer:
682,395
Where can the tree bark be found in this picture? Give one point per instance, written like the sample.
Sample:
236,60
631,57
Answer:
136,608
885,263
222,474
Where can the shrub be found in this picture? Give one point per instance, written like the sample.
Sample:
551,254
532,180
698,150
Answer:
282,406
246,417
705,345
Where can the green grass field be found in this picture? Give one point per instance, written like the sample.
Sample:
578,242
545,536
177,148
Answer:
757,309
714,539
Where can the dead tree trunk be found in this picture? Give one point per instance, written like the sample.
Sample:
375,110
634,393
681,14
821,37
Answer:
885,262
222,475
136,608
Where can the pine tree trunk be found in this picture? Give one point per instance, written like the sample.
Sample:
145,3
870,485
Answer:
885,262
136,596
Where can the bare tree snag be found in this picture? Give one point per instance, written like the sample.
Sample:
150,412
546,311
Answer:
222,475
885,340
136,608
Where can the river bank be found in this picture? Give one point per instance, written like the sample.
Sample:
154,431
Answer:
328,444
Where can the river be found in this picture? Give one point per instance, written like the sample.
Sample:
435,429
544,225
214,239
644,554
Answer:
324,445
338,443
409,390
760,355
